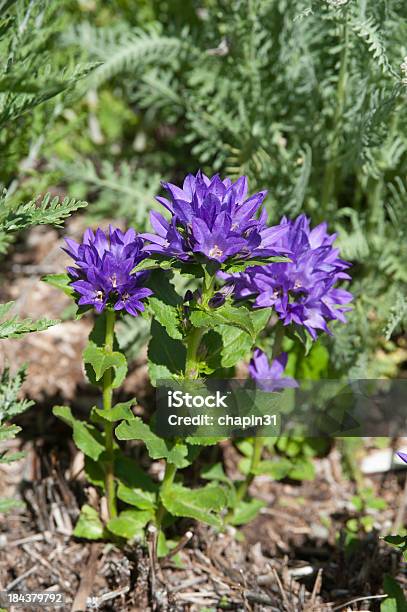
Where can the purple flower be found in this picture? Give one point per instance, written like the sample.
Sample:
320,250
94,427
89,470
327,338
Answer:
269,376
103,273
403,456
214,220
303,291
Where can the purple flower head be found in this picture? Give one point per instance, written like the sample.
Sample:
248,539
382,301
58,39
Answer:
214,220
403,456
103,273
302,291
269,376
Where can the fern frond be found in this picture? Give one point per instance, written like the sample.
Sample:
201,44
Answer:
52,211
127,51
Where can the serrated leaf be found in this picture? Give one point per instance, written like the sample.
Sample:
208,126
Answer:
166,356
86,437
246,511
144,500
200,504
158,448
120,412
130,524
60,281
224,315
164,303
89,525
102,360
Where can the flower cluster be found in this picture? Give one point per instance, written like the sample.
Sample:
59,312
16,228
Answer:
213,219
104,270
301,291
269,376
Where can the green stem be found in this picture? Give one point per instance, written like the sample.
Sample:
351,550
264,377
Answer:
191,373
107,406
254,462
169,475
331,168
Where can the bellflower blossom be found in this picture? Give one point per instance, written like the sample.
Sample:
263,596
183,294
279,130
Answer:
301,291
103,273
269,376
214,220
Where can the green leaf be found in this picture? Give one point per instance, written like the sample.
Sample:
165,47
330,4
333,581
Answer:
60,281
215,472
278,469
86,437
130,474
15,327
120,412
102,360
246,511
158,448
8,432
302,469
399,542
145,500
130,524
153,263
396,601
200,504
203,440
225,315
89,525
165,303
95,473
166,356
241,266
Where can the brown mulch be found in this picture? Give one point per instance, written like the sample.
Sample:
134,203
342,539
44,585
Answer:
291,558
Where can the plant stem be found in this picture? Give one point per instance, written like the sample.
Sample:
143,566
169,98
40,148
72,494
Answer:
331,168
193,344
169,475
107,406
191,373
255,460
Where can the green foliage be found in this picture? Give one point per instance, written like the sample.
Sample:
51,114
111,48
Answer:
396,600
89,525
10,406
201,504
100,359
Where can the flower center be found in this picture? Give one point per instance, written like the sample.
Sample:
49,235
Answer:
99,296
297,284
114,279
215,252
